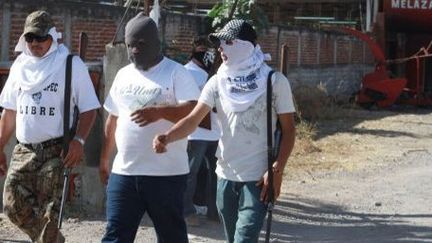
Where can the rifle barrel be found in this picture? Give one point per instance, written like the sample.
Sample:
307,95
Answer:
64,196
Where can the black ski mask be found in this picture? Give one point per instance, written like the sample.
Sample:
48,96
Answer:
206,58
142,40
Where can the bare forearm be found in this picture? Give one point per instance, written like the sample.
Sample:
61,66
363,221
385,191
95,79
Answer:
177,112
85,123
181,129
107,148
287,141
109,138
286,146
7,126
188,124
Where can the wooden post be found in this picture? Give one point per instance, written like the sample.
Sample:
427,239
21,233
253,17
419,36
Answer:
284,59
147,5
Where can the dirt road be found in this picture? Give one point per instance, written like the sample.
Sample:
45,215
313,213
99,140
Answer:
367,178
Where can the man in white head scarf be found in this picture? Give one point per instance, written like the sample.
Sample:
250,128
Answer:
238,93
33,102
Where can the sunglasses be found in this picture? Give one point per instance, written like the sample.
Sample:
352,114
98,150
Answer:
30,37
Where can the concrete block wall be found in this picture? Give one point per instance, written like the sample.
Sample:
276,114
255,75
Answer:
341,86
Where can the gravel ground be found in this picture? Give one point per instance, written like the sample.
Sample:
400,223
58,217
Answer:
369,181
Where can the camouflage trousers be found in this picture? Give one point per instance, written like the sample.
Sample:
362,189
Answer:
32,192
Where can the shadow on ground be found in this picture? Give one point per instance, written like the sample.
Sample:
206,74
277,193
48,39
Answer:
304,220
13,241
345,120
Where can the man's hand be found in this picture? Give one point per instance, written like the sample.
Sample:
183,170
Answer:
104,171
160,143
145,116
277,183
3,164
183,127
75,154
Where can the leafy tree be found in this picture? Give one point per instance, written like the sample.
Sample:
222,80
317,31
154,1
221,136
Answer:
244,9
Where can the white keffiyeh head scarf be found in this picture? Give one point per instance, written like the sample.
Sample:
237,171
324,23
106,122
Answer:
34,73
242,77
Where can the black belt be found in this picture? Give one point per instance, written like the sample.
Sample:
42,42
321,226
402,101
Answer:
44,144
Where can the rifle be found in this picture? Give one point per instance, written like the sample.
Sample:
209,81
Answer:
272,153
66,136
64,196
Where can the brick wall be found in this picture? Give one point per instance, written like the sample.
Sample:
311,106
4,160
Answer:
178,32
269,44
16,28
313,47
98,21
1,21
343,50
326,51
305,47
357,52
99,32
291,38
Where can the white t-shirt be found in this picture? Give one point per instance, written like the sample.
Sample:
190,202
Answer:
200,77
242,151
40,115
167,83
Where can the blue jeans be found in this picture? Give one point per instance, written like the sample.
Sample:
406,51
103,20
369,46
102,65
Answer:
241,210
129,197
199,152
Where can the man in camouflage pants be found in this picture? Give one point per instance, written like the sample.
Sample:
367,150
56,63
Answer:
33,101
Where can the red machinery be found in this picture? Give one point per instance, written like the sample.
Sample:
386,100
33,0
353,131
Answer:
403,31
406,35
377,87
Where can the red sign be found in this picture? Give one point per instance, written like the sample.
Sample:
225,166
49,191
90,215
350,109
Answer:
409,15
409,4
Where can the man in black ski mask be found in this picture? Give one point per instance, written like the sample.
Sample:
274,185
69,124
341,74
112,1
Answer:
142,41
146,98
202,54
202,145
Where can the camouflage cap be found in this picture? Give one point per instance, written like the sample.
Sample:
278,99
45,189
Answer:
38,23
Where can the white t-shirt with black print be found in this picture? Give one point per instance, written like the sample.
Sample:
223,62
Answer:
200,77
242,151
39,115
167,83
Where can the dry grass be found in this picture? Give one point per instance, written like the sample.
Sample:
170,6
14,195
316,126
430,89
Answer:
305,135
313,103
314,106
